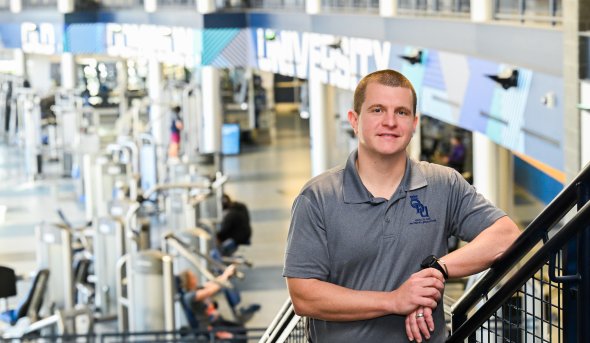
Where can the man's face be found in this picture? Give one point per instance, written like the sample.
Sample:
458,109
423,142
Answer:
386,122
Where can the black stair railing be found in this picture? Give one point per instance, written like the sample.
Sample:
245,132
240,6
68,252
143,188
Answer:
577,192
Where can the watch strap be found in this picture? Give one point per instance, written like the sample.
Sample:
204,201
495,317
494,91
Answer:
434,262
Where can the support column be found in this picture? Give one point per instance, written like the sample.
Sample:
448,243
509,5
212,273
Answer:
159,116
150,6
68,70
576,19
318,125
313,6
122,79
65,6
212,116
156,110
484,167
16,6
329,134
482,11
415,147
20,63
505,177
576,16
388,8
205,6
251,99
493,174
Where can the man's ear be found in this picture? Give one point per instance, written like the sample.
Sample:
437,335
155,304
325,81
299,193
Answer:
353,119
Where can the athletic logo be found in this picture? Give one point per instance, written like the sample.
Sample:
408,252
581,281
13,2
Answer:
421,209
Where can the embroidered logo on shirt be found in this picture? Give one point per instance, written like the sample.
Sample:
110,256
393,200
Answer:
421,209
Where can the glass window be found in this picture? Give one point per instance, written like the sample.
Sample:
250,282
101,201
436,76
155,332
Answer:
405,4
529,11
537,8
434,6
507,7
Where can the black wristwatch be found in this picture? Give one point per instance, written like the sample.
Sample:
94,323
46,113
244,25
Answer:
436,263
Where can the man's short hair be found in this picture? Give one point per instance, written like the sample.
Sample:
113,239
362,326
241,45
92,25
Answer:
385,77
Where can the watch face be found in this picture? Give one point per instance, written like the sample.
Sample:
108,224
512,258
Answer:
428,261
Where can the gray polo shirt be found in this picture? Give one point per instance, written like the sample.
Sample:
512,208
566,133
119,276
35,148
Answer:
341,234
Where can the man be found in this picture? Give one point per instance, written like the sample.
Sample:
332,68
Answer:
360,233
235,226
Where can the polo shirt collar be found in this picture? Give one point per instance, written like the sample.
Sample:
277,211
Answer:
413,178
355,192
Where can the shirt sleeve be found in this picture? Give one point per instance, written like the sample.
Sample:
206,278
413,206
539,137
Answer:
471,212
306,255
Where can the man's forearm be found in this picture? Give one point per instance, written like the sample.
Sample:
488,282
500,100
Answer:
326,301
480,253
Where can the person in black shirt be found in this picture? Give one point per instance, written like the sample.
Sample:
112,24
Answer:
235,226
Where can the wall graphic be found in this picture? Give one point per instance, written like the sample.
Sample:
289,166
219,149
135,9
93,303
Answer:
451,87
226,48
85,38
41,38
10,36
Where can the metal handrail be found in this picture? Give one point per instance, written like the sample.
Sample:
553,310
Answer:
535,232
553,245
276,320
185,252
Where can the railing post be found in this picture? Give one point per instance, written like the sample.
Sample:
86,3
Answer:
570,291
457,319
583,268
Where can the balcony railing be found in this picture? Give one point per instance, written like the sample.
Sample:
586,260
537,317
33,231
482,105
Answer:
529,11
120,4
440,8
39,4
364,6
289,5
178,3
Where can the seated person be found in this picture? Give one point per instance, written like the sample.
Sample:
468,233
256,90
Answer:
456,158
199,299
235,226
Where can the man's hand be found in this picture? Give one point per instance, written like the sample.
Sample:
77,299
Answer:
326,301
422,289
229,271
419,324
